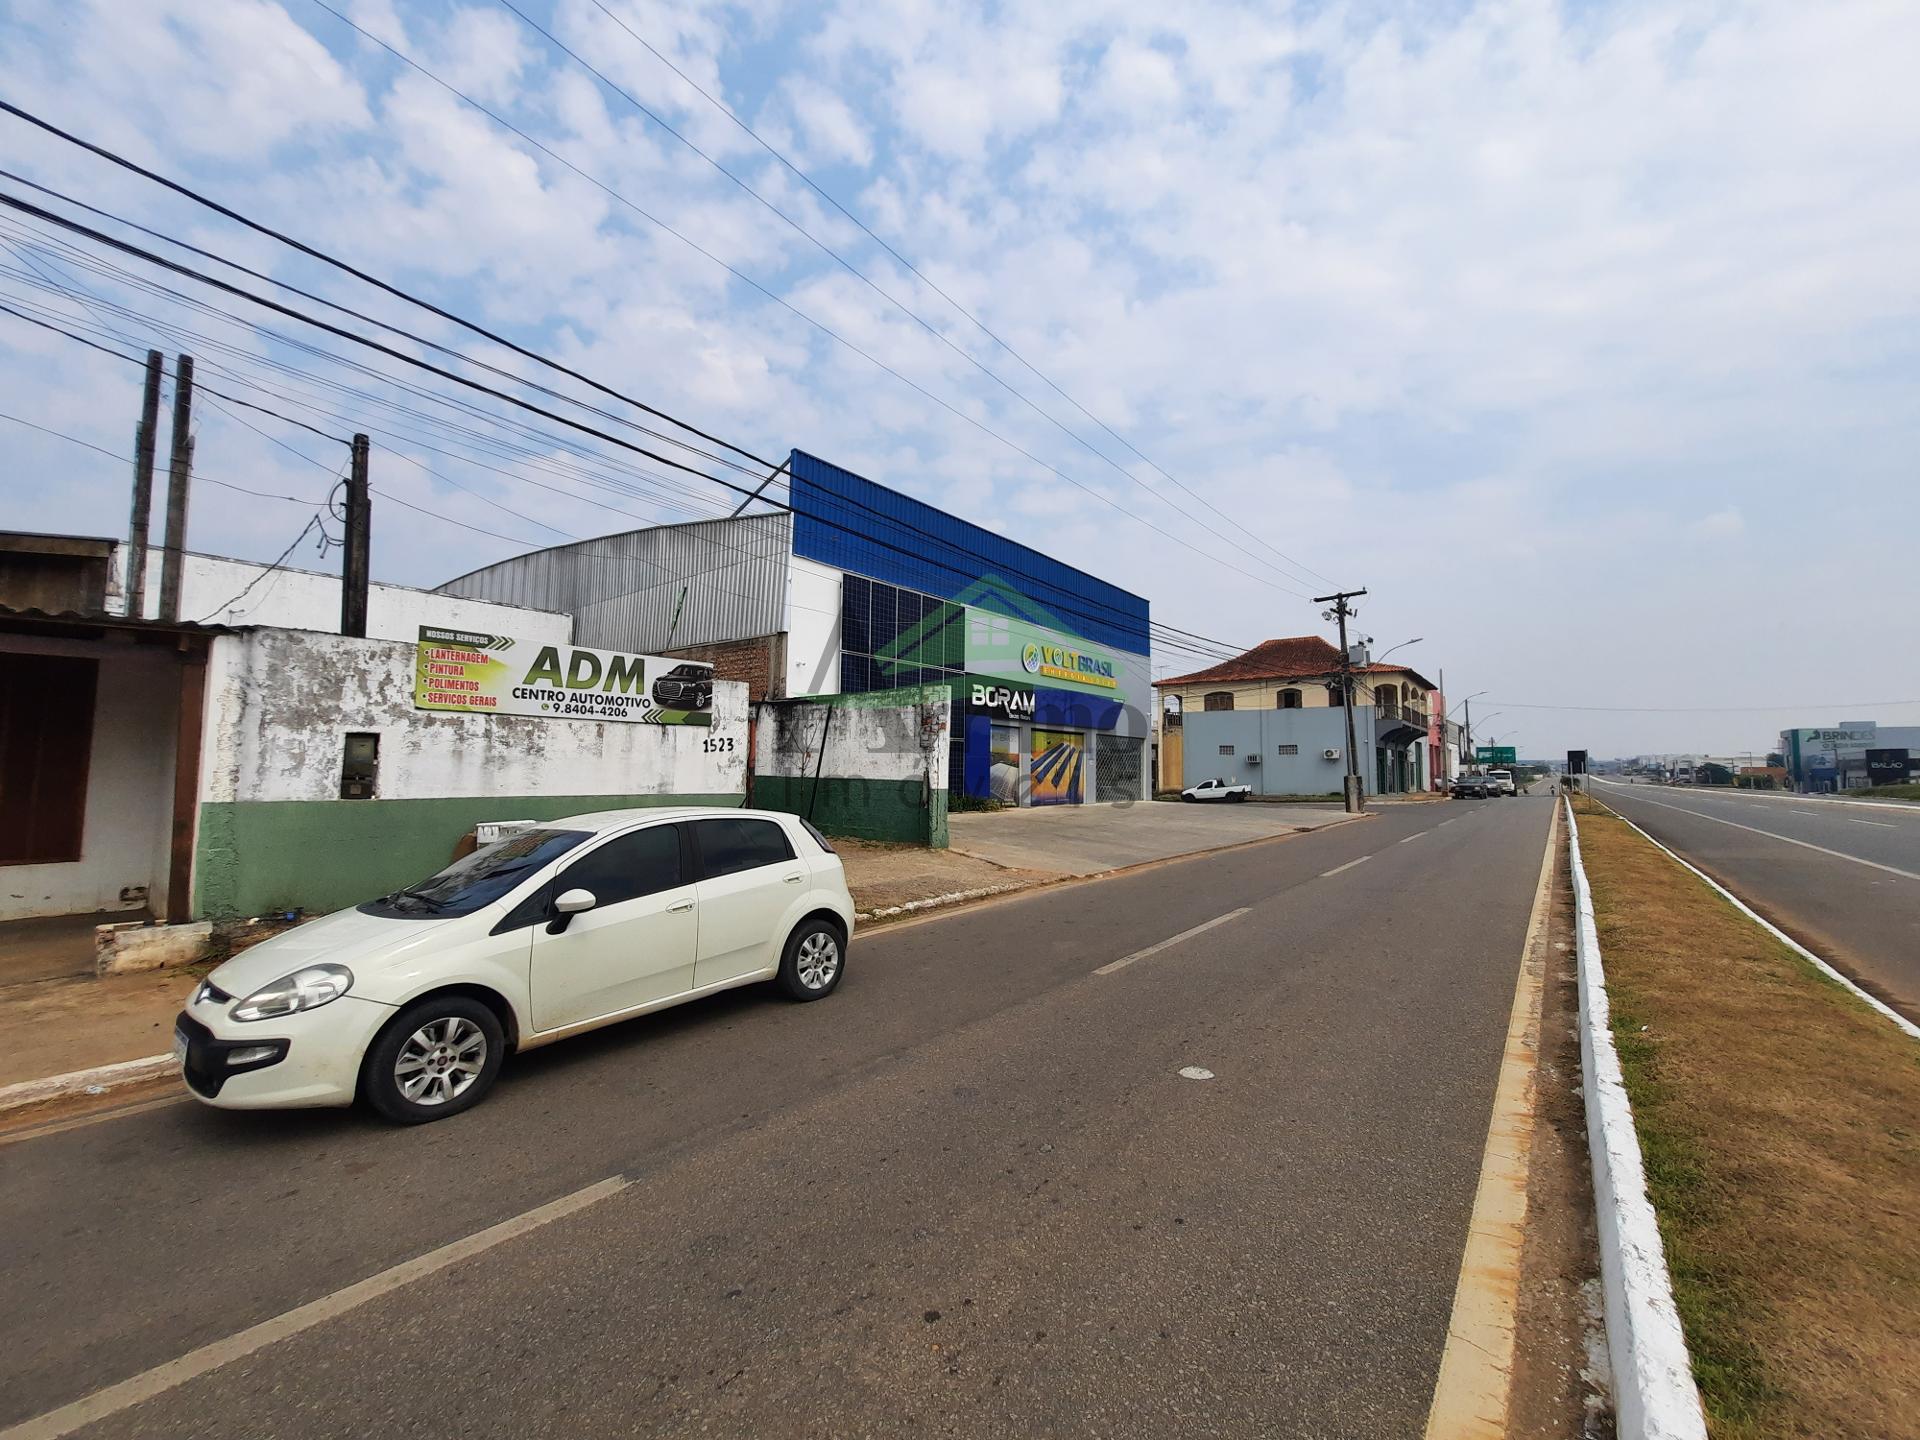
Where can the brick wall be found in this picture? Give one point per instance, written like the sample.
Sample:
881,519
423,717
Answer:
761,663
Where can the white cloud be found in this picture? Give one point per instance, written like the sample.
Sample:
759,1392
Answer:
1516,314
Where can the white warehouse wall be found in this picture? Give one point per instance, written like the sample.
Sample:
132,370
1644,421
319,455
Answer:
217,591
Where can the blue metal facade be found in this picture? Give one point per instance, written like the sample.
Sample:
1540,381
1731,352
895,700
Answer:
852,524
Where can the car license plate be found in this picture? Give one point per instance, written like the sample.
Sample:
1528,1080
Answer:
180,1046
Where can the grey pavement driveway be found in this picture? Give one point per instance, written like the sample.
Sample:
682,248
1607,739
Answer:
1090,839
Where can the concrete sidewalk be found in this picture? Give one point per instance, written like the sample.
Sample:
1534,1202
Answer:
1092,839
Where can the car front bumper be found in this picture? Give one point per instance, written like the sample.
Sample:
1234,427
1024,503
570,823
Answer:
313,1057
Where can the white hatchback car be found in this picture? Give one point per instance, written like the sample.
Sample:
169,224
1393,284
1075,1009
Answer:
412,1001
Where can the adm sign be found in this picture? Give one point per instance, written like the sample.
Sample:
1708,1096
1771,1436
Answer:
460,670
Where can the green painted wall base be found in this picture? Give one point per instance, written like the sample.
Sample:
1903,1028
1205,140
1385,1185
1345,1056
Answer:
867,809
255,857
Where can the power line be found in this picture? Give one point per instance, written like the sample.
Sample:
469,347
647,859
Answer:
100,237
365,277
860,275
928,280
784,304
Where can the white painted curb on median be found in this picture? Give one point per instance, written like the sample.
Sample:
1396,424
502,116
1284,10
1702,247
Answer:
98,1081
1774,930
1654,1397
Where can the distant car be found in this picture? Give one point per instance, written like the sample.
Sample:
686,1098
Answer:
1504,780
685,687
410,1002
1218,788
1473,787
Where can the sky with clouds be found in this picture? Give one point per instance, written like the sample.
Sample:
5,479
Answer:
1583,335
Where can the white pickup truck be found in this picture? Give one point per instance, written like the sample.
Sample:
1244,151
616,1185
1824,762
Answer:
1216,789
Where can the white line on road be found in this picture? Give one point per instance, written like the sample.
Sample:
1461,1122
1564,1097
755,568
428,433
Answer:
1771,835
1877,824
1414,836
1446,822
1126,960
209,1357
1324,874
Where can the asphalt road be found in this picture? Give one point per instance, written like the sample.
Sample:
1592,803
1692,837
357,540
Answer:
969,1194
1840,877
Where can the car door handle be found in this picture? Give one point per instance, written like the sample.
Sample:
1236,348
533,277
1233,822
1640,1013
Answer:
678,906
792,879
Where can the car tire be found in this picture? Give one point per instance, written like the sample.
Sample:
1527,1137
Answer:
437,1057
814,960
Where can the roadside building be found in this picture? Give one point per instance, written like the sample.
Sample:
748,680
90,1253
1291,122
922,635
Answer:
1272,718
858,589
178,770
1853,754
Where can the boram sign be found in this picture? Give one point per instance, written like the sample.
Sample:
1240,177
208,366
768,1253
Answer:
459,670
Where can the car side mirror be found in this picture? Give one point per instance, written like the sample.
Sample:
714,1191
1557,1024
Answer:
569,904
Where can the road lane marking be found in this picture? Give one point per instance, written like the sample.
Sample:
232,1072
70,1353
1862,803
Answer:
145,1386
1877,824
1414,836
1324,874
1471,1394
1126,960
1447,822
1771,835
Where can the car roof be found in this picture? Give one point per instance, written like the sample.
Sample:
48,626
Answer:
599,820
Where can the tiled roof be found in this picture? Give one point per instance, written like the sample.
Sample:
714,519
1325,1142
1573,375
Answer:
1297,657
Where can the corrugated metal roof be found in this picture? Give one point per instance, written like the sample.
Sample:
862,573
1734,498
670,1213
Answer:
102,620
699,583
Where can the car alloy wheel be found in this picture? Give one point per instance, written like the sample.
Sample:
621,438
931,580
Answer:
440,1061
818,960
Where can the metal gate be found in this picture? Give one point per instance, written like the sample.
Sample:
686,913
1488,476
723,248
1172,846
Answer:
1116,768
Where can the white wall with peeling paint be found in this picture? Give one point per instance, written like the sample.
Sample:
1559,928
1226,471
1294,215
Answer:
905,738
281,702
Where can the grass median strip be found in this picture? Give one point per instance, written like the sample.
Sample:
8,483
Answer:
1780,1122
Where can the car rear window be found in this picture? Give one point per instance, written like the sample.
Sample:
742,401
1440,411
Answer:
728,847
818,839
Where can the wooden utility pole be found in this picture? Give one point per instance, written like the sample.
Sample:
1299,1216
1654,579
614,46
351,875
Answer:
1353,791
144,445
179,476
355,567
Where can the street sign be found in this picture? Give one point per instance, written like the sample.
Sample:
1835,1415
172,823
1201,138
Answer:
1495,755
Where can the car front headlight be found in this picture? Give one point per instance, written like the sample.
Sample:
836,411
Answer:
306,989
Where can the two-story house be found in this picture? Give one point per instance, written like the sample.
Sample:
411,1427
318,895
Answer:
1285,698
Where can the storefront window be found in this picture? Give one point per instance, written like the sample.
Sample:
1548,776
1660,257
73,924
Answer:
1059,765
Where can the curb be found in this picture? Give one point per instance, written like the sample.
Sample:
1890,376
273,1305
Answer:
100,1080
1654,1397
1774,930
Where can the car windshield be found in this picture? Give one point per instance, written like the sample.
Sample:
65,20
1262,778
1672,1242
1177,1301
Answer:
478,879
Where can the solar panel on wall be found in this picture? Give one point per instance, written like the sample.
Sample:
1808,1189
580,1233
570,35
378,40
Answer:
851,523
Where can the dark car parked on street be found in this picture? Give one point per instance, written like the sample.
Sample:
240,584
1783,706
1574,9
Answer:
1474,787
685,687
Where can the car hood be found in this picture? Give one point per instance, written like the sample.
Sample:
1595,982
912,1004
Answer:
360,942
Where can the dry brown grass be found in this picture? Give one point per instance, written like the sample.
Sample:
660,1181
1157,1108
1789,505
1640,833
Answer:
1781,1124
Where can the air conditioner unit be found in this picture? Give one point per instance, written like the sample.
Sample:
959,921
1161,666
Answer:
1329,754
1254,758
